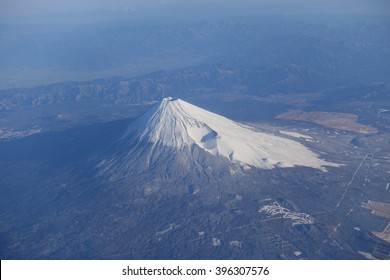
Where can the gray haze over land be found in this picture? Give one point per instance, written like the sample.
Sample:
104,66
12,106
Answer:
44,41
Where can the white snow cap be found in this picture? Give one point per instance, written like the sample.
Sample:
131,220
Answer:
178,124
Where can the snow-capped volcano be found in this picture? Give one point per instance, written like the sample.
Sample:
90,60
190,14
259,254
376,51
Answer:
180,125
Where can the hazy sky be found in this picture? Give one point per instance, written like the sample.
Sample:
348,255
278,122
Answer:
351,6
23,7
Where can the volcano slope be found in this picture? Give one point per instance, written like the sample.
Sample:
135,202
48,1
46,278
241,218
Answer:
179,182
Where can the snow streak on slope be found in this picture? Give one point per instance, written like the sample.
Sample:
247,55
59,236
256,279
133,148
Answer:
178,124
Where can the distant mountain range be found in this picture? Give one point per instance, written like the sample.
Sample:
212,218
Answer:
192,82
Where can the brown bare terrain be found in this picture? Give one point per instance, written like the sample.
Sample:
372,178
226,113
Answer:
343,121
378,208
385,235
383,210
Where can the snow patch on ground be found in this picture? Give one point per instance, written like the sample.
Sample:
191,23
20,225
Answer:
297,135
168,229
297,253
216,242
236,243
275,209
17,134
367,255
